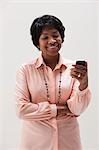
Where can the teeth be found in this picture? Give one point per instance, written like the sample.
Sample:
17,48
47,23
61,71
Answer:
52,47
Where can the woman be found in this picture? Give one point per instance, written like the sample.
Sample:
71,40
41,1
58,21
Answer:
50,92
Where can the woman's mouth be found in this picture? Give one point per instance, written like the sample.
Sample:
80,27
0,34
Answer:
53,48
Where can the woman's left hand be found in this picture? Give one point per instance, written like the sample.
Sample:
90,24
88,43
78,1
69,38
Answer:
80,72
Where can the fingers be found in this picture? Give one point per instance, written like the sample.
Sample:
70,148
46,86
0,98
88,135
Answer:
78,72
81,67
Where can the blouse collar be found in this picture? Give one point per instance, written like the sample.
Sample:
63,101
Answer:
39,62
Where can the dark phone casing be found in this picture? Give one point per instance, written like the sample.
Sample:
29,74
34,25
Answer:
81,62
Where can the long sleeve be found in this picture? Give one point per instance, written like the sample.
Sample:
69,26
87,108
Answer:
79,100
24,107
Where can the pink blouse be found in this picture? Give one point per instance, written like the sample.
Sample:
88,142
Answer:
42,128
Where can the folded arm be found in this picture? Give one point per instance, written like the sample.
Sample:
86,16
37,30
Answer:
24,107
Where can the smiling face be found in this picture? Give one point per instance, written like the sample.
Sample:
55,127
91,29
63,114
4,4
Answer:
50,42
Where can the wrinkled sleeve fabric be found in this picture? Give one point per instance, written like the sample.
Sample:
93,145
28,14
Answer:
25,109
79,100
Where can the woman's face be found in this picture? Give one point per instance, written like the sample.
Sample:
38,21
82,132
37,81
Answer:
50,41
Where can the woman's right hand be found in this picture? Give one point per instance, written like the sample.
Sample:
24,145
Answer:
61,109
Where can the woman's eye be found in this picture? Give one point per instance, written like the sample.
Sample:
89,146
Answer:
55,36
44,38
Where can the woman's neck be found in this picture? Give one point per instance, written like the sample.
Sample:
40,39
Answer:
51,61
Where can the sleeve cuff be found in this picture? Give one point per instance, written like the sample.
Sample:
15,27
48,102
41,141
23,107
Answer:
53,110
83,91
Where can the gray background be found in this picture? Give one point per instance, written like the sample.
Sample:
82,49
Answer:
81,42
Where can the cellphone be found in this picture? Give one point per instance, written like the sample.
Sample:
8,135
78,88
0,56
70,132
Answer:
81,62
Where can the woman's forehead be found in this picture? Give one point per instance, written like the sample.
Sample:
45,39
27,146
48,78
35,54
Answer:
46,30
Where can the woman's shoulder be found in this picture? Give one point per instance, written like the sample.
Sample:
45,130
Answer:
28,64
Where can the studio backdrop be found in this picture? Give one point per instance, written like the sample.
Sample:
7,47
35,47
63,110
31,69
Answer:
80,19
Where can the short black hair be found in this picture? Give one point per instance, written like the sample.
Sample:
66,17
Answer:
43,21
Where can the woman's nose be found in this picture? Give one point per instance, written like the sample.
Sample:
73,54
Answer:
52,40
